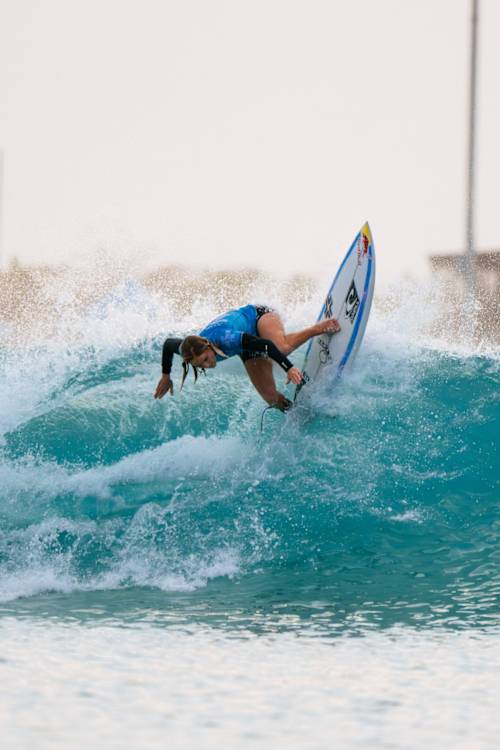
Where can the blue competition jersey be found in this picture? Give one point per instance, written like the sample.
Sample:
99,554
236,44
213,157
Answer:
226,330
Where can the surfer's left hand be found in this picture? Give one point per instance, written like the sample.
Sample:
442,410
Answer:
328,325
294,376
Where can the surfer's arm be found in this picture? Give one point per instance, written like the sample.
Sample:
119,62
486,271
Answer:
251,343
170,347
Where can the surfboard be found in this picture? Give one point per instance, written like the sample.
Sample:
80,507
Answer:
349,300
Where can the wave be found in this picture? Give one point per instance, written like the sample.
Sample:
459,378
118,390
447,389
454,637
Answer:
380,490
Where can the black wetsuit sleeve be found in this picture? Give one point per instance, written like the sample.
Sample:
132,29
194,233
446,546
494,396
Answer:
251,343
170,347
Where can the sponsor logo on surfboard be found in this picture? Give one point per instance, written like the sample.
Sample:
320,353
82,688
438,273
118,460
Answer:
351,303
324,352
328,307
362,249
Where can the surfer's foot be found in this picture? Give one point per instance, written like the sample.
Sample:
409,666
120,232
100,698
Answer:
282,403
328,325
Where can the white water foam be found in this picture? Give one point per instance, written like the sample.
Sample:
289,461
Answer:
187,456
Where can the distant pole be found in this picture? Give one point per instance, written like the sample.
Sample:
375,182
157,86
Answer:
470,250
1,209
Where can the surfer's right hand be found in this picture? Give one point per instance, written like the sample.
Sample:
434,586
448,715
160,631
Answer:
164,386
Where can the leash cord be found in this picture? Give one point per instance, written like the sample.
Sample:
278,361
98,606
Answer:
262,417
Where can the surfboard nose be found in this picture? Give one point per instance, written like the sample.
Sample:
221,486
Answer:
366,231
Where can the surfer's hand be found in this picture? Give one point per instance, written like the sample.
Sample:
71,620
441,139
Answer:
294,376
328,325
282,403
164,386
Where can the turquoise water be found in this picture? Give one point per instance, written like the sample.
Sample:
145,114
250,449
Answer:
130,526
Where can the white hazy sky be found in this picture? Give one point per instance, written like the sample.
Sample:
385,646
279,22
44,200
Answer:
245,133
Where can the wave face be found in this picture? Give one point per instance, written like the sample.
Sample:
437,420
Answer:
374,504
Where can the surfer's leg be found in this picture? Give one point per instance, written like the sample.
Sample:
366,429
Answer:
260,372
270,326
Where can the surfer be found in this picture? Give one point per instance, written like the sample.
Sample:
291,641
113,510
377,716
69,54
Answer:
255,333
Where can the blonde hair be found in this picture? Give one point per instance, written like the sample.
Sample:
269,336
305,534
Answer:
192,347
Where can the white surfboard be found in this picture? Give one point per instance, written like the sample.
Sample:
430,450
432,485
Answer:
348,300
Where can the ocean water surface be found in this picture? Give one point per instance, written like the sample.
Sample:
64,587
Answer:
169,573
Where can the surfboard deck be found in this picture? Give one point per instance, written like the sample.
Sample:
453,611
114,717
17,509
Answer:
348,300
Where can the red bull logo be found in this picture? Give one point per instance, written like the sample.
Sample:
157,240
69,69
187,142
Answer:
362,249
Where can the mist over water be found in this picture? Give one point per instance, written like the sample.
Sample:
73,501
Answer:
372,504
